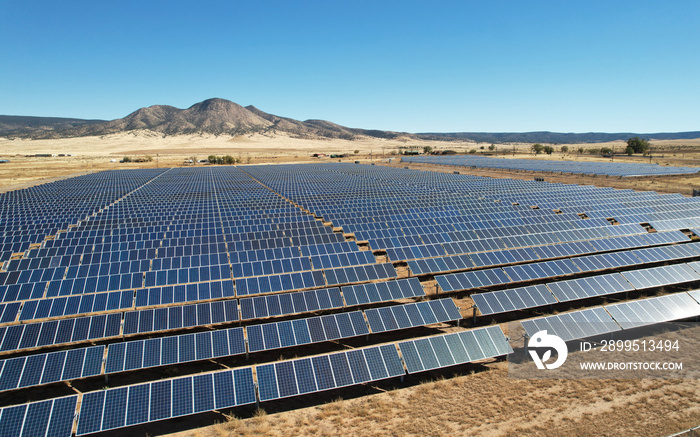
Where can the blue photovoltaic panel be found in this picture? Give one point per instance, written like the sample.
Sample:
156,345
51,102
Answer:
382,291
52,418
574,325
275,335
513,299
457,348
125,406
653,310
396,317
283,304
290,378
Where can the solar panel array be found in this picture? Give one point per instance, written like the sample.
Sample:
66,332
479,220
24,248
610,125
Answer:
597,168
615,317
163,267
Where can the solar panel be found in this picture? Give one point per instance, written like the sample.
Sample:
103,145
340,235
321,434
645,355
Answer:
307,375
382,291
52,417
495,302
456,348
290,303
589,322
396,317
125,406
654,310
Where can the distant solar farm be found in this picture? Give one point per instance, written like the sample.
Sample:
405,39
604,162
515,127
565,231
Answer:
108,276
623,169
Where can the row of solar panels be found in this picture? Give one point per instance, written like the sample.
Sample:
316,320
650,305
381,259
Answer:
479,244
593,245
472,223
502,257
142,260
251,307
614,317
30,335
453,225
169,231
136,404
582,288
195,249
628,195
526,272
244,286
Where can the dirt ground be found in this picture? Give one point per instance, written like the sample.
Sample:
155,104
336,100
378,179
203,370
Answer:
467,400
90,154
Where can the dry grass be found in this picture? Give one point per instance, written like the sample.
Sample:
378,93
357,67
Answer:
95,153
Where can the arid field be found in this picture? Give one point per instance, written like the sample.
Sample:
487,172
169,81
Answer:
475,399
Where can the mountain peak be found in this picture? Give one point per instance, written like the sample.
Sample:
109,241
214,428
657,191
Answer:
216,116
215,104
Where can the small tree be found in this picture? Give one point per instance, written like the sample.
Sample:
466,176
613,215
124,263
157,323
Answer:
537,148
126,159
492,147
248,159
211,159
580,150
356,152
472,151
427,149
629,150
564,149
639,145
605,150
548,150
228,159
594,151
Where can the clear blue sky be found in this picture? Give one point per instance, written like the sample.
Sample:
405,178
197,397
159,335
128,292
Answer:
416,66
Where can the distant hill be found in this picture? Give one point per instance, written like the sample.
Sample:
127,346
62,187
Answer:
214,116
554,137
18,125
223,117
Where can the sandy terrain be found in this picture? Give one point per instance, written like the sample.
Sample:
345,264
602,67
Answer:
96,153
